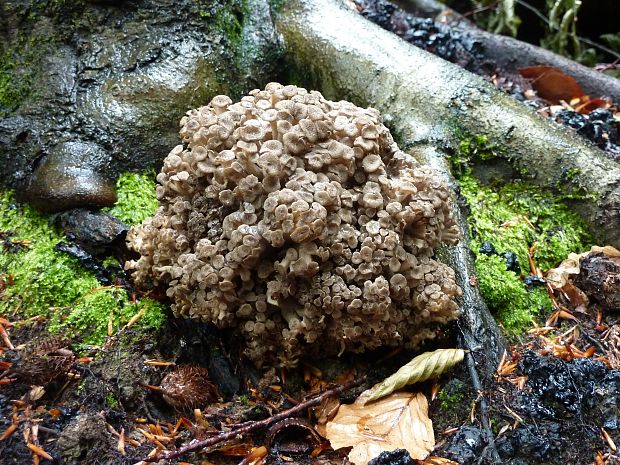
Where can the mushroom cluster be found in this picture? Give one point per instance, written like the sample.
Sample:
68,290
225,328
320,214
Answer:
297,221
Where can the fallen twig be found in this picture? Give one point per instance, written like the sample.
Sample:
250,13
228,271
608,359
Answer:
483,407
5,337
247,428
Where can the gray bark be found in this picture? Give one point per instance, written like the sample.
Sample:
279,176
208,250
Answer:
477,327
427,100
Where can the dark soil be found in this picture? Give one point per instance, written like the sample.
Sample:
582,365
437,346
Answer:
547,410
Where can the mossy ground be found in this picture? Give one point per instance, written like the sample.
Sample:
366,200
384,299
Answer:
42,282
515,218
136,197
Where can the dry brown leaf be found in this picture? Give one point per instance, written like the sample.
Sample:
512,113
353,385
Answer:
325,412
398,421
558,277
607,250
422,368
612,340
587,105
36,392
551,83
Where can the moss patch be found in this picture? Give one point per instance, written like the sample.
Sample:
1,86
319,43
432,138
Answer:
505,293
473,148
515,218
43,282
95,313
17,72
276,5
136,197
37,29
452,395
12,91
42,278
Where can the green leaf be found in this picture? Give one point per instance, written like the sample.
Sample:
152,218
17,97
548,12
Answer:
421,368
613,41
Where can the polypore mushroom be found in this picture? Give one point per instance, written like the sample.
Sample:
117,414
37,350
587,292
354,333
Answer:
298,222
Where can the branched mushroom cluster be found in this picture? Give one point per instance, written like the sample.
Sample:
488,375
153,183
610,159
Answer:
298,221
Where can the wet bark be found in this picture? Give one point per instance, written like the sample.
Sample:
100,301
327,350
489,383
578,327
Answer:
427,100
91,89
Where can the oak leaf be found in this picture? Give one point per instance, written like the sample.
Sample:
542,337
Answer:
423,367
399,421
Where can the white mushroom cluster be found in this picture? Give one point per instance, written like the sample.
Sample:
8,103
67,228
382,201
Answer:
297,221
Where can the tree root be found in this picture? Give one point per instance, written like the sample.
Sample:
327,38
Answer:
427,100
510,54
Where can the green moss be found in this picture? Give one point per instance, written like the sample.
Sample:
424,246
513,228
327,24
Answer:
111,401
99,310
54,285
504,292
452,396
229,22
518,216
17,72
515,218
571,186
42,277
12,90
136,197
225,17
276,5
472,149
38,30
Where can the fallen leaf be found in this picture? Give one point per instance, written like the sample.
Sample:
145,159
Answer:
607,250
36,392
551,83
39,451
587,106
399,421
256,456
575,295
325,412
560,278
423,367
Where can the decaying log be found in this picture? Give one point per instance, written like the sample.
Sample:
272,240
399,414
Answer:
427,100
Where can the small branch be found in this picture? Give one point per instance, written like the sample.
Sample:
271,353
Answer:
482,402
248,428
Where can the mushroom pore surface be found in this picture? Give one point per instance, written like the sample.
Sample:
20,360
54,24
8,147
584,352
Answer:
297,221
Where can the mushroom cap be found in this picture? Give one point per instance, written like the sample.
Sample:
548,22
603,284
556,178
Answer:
297,221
